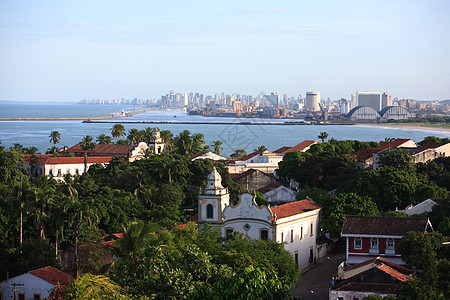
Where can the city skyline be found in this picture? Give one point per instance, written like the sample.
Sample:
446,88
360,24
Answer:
54,51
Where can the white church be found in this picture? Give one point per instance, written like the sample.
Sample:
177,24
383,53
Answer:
296,224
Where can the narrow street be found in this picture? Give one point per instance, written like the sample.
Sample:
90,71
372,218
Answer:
314,283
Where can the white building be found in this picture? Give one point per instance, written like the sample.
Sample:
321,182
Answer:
295,224
312,101
370,99
264,161
386,100
156,142
37,284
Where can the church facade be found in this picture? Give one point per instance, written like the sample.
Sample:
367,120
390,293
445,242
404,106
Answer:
296,224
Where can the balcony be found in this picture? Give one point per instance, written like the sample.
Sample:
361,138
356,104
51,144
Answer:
374,251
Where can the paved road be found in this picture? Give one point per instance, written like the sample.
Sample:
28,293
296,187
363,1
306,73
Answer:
318,278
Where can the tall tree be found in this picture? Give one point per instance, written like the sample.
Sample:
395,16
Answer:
117,131
238,153
85,145
397,158
55,137
40,205
198,142
183,143
167,137
133,136
323,136
261,148
103,139
217,147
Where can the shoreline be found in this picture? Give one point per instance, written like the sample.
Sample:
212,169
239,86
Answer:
406,126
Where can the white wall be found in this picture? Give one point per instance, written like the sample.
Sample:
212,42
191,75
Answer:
31,285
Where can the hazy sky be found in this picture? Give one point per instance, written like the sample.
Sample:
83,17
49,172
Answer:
70,50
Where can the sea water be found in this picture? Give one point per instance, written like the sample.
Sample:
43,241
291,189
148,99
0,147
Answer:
232,135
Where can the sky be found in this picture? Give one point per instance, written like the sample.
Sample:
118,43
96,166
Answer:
106,49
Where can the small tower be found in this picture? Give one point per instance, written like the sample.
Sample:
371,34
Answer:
156,142
212,200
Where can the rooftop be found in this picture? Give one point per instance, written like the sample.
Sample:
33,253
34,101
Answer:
294,208
394,144
301,146
392,226
104,149
52,275
48,159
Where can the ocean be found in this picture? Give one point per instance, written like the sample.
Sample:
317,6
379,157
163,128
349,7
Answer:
233,136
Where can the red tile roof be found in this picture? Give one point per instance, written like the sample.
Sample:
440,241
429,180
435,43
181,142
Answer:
247,157
62,160
432,146
365,154
197,155
394,144
301,146
392,226
269,187
386,266
294,208
52,275
112,236
104,149
281,150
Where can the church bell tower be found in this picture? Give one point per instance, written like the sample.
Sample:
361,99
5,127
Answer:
212,200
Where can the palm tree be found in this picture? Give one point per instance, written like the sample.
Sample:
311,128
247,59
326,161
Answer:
40,205
183,142
133,136
148,134
117,131
238,153
103,139
198,142
85,145
55,137
261,148
323,136
217,147
167,137
134,238
79,212
21,193
93,287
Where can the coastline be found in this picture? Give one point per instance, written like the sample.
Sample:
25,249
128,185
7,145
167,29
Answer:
406,126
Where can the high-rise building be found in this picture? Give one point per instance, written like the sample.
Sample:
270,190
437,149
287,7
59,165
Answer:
386,100
370,99
354,100
312,101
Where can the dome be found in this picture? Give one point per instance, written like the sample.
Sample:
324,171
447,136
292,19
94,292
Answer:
214,180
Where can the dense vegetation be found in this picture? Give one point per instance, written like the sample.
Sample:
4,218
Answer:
149,199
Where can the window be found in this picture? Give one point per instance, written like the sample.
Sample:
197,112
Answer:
77,172
374,243
301,233
50,173
21,296
282,237
390,244
59,172
358,243
292,235
228,233
36,296
296,257
312,230
209,211
264,234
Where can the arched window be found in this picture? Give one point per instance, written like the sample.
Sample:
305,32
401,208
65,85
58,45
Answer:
209,211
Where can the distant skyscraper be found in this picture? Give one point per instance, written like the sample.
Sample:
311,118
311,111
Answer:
370,99
386,100
312,101
354,100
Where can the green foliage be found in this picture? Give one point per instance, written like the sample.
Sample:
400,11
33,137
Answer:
238,153
289,167
259,198
433,139
317,195
396,158
395,214
12,167
93,287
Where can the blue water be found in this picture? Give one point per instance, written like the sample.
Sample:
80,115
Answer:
248,137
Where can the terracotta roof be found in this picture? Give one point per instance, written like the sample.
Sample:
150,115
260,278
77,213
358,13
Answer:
249,156
281,150
394,144
372,225
270,187
301,146
104,149
385,288
365,154
52,275
197,155
62,160
112,236
433,145
394,270
294,208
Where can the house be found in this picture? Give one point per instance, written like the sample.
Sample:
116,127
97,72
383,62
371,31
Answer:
130,152
253,179
276,193
397,143
265,161
207,155
443,148
57,167
37,284
424,206
370,236
295,224
374,276
364,157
